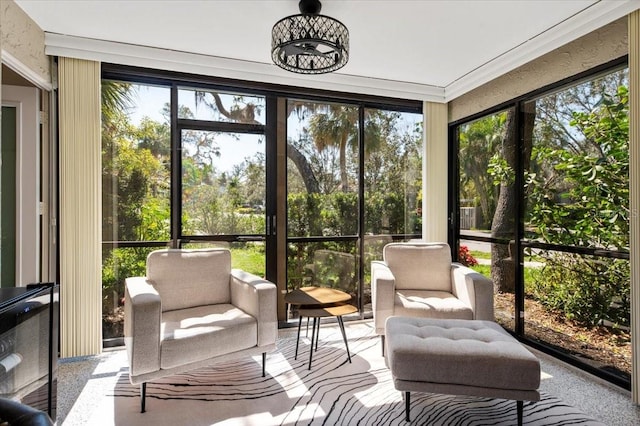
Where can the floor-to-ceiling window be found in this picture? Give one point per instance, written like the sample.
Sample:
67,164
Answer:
554,167
487,207
354,175
191,164
323,180
222,182
136,187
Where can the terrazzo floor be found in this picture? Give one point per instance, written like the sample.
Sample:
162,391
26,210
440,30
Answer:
81,378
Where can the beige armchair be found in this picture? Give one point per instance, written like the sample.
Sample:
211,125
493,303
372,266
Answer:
192,310
419,280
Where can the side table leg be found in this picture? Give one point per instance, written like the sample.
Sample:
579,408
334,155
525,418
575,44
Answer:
317,333
344,336
313,336
298,339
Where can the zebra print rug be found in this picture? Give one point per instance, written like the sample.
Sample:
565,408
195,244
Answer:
333,392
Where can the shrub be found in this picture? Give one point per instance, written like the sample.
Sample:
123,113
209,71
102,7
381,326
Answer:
465,257
586,290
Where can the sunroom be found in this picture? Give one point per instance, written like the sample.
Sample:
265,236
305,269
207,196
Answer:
506,129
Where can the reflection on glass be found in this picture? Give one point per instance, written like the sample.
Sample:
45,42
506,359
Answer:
329,264
223,183
211,105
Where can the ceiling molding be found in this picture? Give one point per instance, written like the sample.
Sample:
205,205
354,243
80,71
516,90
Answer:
151,57
590,19
24,71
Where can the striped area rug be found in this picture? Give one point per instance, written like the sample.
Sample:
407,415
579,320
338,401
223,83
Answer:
333,392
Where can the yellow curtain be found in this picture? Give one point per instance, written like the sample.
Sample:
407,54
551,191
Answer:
435,180
80,207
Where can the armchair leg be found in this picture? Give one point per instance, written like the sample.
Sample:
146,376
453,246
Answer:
520,405
264,363
407,404
143,394
382,341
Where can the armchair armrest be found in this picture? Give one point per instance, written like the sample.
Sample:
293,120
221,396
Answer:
257,297
383,288
474,289
17,414
142,317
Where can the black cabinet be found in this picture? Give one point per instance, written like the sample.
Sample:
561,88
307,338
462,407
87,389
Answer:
29,345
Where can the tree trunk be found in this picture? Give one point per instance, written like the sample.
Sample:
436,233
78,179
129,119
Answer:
310,181
505,218
344,177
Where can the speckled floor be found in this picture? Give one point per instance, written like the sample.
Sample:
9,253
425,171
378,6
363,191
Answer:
81,380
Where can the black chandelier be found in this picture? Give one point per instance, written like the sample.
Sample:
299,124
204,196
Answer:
310,43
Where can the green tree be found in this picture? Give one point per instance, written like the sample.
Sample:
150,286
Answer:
479,142
593,212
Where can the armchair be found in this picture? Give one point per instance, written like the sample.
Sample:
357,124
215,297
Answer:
191,310
419,280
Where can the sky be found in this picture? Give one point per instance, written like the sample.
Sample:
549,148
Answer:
150,101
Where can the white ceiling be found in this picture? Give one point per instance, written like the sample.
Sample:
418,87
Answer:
431,50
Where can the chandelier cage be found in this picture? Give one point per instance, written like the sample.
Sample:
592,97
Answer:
309,43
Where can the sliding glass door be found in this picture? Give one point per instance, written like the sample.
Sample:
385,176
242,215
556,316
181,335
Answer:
354,177
302,191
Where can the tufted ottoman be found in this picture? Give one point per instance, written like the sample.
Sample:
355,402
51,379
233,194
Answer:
460,357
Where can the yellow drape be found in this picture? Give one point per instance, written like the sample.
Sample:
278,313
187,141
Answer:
80,207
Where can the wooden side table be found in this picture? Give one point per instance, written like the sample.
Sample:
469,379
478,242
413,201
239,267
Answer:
317,303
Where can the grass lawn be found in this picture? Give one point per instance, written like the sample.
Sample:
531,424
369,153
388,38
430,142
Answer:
250,258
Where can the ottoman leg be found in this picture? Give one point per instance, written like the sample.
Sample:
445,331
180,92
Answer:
520,405
407,403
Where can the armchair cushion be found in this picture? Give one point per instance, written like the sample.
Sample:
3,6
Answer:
420,266
203,276
430,304
196,334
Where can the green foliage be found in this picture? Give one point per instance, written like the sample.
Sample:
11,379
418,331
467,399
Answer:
593,208
587,205
119,264
585,290
135,188
500,171
482,165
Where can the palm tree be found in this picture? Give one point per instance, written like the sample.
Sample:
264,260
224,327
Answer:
336,127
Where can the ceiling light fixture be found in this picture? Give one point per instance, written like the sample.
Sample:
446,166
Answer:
310,43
